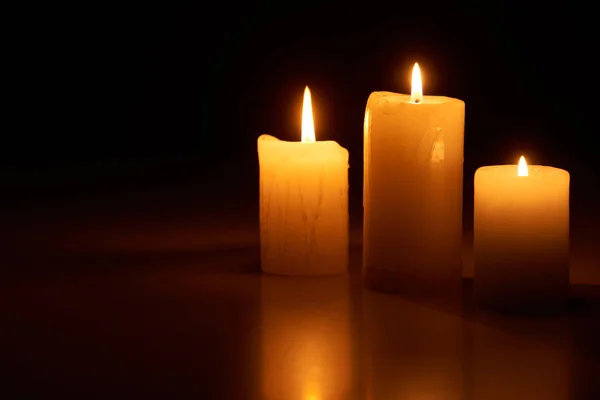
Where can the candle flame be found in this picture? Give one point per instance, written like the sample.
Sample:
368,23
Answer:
308,124
522,170
416,92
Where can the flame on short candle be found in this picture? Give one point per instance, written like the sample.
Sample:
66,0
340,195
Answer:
522,169
416,92
308,124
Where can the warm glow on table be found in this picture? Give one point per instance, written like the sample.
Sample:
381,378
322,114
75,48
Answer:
413,160
305,338
303,203
521,235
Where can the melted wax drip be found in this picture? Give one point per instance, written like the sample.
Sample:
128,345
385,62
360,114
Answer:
438,150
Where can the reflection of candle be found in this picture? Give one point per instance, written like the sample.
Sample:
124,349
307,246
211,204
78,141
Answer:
303,203
305,328
512,366
417,356
413,190
521,236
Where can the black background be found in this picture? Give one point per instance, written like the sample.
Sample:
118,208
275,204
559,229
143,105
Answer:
196,85
132,130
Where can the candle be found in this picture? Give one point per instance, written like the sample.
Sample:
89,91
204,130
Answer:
303,203
521,236
413,191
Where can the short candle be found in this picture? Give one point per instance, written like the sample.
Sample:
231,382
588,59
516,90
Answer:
413,171
303,203
521,236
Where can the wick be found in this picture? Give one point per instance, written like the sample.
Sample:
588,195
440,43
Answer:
417,101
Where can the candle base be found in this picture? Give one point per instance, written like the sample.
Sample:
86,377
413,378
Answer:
521,287
304,273
529,302
326,266
394,281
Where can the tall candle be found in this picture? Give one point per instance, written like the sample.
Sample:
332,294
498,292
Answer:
413,165
521,236
303,203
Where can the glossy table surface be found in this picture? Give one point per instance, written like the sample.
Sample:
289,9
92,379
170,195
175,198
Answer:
210,325
119,305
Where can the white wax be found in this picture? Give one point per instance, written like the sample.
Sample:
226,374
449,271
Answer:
413,162
303,207
521,237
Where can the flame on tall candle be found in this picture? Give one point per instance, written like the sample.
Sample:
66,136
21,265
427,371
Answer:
522,169
308,124
416,92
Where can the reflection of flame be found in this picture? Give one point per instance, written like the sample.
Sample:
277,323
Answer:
305,338
308,123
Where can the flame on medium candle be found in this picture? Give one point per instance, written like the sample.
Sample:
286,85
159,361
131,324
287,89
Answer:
416,91
522,169
308,124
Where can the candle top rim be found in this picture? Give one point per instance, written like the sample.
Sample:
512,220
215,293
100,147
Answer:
300,148
265,138
406,98
511,169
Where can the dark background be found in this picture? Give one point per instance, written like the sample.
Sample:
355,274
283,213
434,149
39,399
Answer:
159,92
129,147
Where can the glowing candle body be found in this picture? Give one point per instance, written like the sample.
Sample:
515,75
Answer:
413,192
521,236
303,206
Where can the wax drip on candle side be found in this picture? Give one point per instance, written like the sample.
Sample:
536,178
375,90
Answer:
431,147
438,150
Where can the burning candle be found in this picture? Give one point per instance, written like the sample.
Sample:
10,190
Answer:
413,191
303,203
521,236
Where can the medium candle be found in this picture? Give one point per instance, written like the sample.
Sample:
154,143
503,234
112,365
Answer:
413,165
521,236
303,203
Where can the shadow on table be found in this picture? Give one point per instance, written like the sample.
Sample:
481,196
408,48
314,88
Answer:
418,347
583,304
60,264
131,324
